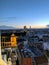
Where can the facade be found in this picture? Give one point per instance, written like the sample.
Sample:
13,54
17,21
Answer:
8,41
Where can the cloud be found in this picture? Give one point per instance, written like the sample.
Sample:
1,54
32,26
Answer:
5,19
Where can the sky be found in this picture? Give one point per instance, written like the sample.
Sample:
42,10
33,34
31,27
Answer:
18,13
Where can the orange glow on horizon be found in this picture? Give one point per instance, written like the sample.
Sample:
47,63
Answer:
33,26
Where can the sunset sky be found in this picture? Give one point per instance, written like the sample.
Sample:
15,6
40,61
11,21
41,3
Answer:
18,13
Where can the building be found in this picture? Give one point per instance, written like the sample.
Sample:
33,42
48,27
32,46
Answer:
8,41
9,38
30,55
2,62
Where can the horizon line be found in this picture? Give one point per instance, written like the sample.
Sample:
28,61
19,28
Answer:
29,26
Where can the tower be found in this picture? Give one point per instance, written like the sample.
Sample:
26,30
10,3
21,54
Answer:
13,40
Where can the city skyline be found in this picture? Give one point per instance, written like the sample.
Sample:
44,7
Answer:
18,13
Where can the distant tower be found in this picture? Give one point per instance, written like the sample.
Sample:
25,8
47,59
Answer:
24,27
30,27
